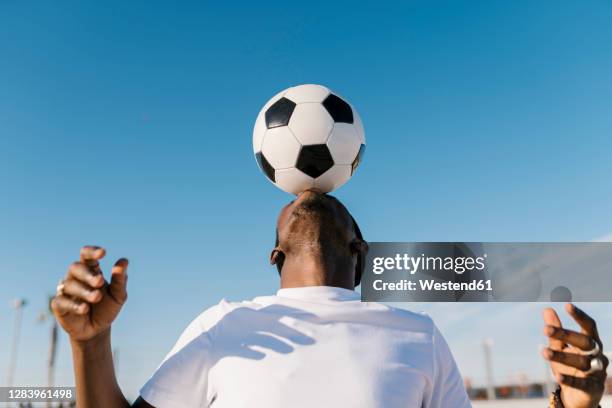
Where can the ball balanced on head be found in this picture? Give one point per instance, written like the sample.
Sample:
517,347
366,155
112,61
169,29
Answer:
306,137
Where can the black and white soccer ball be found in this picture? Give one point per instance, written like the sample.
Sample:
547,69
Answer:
307,136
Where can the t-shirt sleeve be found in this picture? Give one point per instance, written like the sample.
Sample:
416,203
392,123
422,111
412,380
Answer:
181,380
448,388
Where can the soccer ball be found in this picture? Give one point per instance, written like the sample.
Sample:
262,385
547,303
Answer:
308,136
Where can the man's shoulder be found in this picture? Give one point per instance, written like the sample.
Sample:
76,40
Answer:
204,324
407,319
214,314
251,310
409,314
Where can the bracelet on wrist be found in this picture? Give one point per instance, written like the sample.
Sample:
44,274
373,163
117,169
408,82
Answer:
555,399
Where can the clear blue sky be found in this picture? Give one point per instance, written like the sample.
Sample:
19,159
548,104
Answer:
128,125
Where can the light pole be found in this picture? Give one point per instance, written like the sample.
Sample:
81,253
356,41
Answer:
17,305
488,344
52,345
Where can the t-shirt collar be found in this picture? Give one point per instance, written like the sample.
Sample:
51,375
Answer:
318,293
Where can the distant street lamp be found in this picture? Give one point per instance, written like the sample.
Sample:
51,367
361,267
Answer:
43,317
488,345
17,305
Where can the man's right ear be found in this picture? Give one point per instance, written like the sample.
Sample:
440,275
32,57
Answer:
360,247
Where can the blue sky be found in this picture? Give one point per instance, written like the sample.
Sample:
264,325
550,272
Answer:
128,124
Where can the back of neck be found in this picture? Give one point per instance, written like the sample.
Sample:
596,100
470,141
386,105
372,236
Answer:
312,270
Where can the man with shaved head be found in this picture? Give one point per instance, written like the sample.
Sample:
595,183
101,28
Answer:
312,344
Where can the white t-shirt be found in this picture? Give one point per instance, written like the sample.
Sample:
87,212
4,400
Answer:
316,346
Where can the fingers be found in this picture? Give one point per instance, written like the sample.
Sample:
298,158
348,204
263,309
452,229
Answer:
82,292
118,283
591,385
552,319
579,340
586,322
63,305
90,255
579,361
78,271
88,277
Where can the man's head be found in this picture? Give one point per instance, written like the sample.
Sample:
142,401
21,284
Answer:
318,228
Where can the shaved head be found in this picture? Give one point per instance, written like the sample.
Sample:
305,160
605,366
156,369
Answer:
317,225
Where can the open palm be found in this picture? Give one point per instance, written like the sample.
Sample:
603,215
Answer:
570,355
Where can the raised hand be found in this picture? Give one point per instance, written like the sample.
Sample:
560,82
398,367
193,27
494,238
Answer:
85,304
577,359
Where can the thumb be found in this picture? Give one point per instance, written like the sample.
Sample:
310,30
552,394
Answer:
118,283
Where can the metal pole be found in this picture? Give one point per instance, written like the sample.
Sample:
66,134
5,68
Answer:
488,344
18,305
51,359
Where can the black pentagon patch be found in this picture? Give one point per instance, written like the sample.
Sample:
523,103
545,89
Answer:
358,158
279,113
339,110
265,166
314,160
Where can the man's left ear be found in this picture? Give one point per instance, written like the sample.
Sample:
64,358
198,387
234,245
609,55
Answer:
277,257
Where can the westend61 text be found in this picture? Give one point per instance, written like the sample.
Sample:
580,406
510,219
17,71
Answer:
430,284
